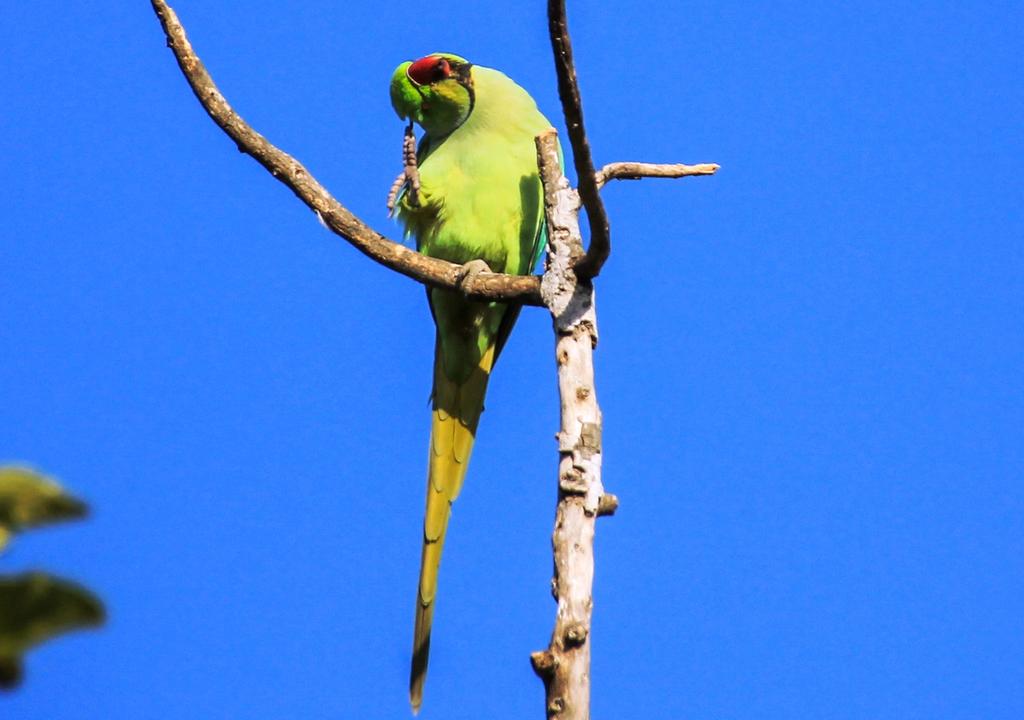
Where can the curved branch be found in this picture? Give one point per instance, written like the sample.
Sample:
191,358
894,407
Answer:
638,170
523,289
569,92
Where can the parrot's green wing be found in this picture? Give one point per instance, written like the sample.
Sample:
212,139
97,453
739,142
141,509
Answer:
512,314
480,199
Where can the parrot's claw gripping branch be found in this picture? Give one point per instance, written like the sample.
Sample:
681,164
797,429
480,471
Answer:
471,270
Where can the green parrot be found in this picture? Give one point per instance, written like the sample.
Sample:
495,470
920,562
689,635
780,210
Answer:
480,198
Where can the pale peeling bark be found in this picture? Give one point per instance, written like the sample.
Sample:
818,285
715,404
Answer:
637,171
565,665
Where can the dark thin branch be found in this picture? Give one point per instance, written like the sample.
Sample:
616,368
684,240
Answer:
636,171
569,92
431,271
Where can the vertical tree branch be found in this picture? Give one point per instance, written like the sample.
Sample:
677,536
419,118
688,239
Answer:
565,665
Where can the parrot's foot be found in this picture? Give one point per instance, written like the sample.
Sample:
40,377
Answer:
409,180
411,164
469,271
396,187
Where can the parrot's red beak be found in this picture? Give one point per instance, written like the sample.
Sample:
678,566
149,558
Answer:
429,69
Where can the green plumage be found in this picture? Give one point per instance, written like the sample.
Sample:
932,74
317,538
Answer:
480,199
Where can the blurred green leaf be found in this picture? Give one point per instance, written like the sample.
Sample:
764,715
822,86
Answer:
29,499
35,607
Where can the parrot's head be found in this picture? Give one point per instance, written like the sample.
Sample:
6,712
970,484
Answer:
435,91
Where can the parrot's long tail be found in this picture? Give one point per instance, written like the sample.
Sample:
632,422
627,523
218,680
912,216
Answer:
456,412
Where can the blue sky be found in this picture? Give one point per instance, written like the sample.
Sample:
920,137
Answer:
810,366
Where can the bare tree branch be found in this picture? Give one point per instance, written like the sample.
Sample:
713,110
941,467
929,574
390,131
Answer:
636,171
431,271
565,665
572,106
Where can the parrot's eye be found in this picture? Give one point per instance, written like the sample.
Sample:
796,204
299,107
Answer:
429,70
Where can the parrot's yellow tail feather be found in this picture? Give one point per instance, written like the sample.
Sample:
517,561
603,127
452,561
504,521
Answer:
456,413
